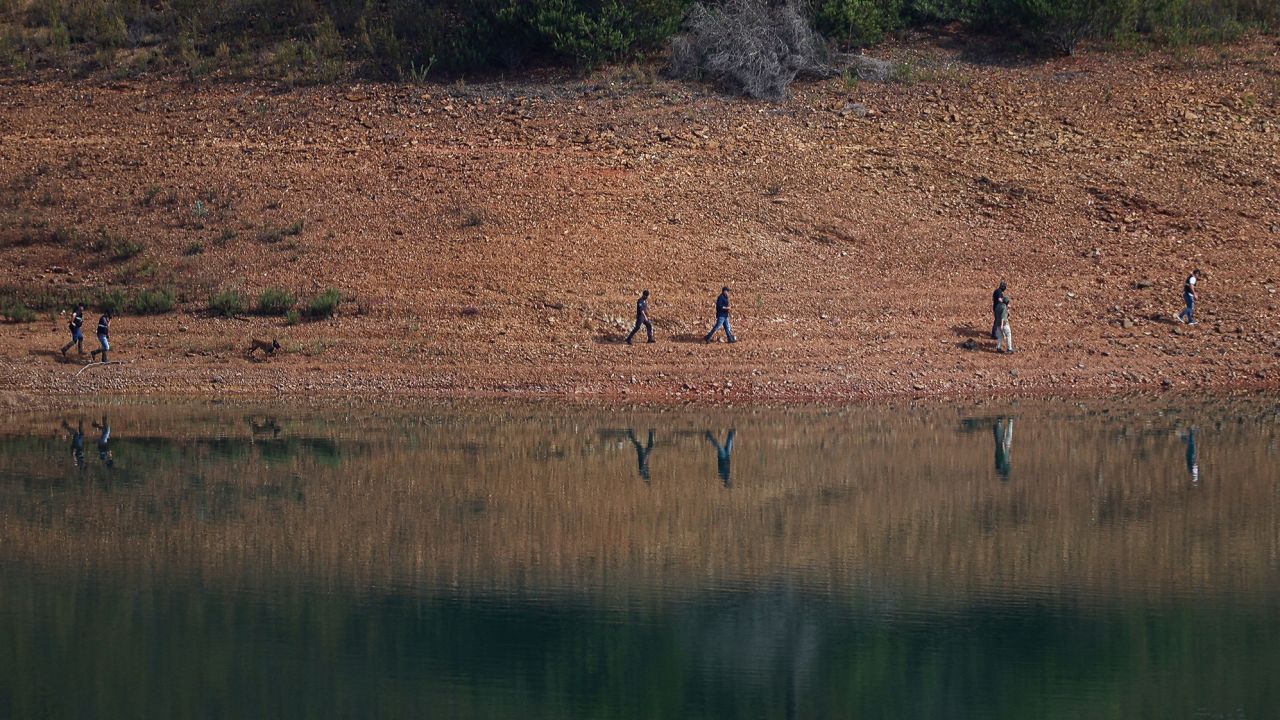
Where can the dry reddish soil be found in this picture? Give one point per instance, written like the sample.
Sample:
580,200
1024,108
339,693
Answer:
491,239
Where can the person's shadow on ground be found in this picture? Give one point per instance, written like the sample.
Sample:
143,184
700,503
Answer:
71,358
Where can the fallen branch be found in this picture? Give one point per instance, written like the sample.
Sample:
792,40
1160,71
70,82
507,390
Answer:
109,362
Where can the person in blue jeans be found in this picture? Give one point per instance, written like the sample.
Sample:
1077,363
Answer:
104,332
77,334
1188,314
722,317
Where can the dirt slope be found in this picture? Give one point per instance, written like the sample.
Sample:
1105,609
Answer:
491,239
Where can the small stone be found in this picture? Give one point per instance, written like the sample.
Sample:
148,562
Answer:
1145,283
1127,324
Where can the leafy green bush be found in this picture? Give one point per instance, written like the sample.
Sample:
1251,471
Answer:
857,23
325,304
125,248
227,303
16,311
153,302
112,300
275,301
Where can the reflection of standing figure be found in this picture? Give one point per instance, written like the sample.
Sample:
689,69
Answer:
1003,430
723,454
77,442
642,453
104,442
1193,456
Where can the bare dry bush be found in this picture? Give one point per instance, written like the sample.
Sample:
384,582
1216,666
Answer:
749,47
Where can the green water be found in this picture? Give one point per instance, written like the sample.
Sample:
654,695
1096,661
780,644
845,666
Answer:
1012,560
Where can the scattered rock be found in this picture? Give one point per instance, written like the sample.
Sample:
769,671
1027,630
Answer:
969,344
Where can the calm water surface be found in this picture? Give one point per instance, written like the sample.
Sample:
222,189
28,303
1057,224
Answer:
1014,560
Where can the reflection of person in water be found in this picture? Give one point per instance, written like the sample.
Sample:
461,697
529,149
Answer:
642,453
1193,456
1003,430
104,446
77,442
723,455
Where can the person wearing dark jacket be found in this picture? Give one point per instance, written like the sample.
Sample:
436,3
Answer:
997,299
1189,296
104,331
77,334
1001,331
642,317
722,317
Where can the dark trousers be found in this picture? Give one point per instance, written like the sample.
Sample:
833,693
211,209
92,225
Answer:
648,326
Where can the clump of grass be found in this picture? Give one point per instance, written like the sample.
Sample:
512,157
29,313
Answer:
194,248
117,248
112,299
227,303
16,311
153,301
325,304
275,301
292,317
270,235
150,194
474,218
226,236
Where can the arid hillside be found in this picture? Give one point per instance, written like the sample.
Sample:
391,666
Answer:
491,239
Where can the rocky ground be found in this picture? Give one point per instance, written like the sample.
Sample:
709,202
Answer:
491,239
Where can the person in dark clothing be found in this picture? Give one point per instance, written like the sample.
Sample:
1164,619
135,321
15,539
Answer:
642,317
722,317
997,299
642,453
77,333
104,331
77,442
724,453
1189,296
1002,332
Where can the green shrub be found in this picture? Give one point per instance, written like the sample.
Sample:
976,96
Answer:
153,302
292,318
16,311
227,303
275,301
124,249
112,299
325,304
857,23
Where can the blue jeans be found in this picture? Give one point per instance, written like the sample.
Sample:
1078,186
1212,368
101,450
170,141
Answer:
722,321
1189,312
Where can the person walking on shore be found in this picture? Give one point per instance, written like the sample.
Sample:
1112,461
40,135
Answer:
104,332
77,334
1002,332
1188,314
997,299
722,317
642,317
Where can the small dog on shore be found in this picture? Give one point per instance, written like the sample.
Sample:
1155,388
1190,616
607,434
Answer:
267,347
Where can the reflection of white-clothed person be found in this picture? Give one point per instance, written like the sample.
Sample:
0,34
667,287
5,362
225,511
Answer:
1004,444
